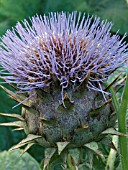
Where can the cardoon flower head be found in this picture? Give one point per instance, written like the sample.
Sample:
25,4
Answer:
68,57
65,46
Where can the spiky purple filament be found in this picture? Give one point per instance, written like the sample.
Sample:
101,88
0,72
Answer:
65,45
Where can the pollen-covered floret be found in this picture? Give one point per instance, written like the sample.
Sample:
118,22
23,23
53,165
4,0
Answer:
66,46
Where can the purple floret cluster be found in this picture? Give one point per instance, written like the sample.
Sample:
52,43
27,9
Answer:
68,46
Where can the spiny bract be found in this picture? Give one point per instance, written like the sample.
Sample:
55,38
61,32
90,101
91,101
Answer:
59,63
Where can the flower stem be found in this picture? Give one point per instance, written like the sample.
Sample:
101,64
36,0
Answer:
123,128
121,113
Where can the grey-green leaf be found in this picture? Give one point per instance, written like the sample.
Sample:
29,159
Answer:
13,161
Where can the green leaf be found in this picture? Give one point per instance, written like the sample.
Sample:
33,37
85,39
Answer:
12,161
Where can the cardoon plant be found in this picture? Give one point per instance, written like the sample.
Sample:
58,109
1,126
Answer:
58,65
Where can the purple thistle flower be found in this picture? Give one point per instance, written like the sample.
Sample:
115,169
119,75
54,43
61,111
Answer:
68,46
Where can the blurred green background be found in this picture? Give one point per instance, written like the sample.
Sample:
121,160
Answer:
12,11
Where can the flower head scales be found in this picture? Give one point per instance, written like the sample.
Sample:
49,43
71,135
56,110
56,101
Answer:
68,46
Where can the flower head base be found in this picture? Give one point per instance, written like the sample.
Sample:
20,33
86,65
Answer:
68,46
